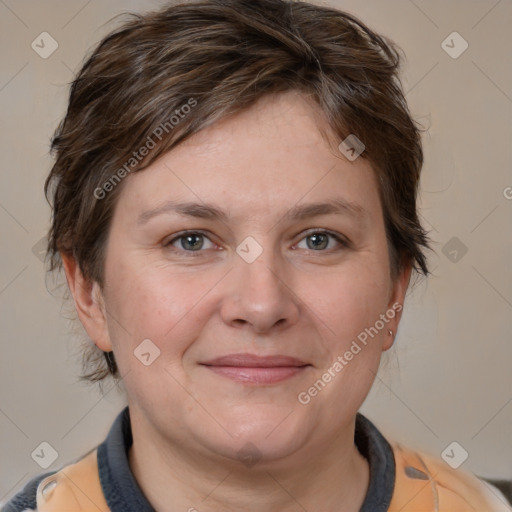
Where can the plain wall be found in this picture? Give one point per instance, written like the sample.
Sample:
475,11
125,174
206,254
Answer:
448,376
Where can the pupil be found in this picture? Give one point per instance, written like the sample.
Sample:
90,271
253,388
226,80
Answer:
189,240
318,241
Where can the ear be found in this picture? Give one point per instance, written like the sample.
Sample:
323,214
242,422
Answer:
396,305
89,303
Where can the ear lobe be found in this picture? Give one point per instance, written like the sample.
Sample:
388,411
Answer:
89,303
396,305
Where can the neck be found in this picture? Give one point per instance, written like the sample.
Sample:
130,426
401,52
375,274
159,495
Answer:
331,477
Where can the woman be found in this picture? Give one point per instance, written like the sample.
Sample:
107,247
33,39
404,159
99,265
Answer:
234,201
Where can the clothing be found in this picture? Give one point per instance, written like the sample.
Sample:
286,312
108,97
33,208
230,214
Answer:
108,469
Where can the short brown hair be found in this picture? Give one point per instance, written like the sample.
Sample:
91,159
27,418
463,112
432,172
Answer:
220,56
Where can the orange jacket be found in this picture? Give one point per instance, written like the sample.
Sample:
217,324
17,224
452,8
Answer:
423,484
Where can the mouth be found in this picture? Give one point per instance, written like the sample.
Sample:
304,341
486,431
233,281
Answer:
259,370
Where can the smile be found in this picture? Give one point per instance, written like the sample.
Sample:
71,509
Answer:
257,375
253,369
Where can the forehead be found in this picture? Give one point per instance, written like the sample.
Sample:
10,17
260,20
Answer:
267,158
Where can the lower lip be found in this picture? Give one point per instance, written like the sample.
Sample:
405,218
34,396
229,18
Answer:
252,375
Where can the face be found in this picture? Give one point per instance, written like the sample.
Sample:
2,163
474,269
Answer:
216,251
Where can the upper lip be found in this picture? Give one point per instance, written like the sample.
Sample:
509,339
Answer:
254,361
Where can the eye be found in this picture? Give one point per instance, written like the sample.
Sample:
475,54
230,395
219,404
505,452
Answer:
193,243
190,242
320,240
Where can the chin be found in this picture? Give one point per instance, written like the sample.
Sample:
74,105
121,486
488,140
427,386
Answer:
261,437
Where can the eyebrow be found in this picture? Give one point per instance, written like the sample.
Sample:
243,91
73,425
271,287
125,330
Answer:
337,206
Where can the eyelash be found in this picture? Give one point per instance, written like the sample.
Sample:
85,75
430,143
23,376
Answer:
344,243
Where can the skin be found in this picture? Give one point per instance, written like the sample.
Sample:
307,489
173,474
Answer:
295,299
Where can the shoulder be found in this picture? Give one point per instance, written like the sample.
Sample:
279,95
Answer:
25,500
425,483
75,487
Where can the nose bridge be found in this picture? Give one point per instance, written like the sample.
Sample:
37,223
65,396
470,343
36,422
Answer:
259,278
259,295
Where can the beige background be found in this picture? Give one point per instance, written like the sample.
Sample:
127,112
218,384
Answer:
448,377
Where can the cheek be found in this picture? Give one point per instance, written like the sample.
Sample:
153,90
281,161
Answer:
154,304
347,305
153,316
349,299
171,309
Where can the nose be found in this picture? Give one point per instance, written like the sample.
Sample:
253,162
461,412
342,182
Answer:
258,297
